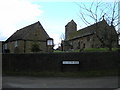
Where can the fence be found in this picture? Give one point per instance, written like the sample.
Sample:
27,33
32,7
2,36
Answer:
60,61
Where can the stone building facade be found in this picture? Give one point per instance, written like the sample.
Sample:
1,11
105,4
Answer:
89,37
27,40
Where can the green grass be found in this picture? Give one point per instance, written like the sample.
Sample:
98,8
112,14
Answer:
58,51
115,49
90,50
96,50
91,73
100,49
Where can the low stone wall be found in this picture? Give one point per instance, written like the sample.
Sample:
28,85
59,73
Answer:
53,61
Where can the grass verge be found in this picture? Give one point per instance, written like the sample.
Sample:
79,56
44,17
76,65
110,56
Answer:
92,73
90,50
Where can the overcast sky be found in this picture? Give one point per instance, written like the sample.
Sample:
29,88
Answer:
53,15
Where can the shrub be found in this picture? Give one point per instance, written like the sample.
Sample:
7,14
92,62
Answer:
35,48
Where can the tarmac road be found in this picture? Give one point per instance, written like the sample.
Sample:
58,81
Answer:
59,82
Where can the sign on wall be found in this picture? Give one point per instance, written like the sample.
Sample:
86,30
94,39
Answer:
70,62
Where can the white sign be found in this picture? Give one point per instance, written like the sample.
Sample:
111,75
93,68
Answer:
70,62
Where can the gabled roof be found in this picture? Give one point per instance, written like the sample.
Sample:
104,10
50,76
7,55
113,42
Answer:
22,33
87,30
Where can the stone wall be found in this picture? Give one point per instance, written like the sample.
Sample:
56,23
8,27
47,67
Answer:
28,46
25,46
84,42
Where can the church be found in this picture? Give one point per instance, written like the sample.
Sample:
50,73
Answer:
97,35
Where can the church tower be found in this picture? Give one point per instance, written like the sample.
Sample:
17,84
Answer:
70,28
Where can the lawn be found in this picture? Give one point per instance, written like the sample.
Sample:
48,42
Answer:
89,50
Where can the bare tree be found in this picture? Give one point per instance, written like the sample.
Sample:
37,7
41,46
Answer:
97,11
62,37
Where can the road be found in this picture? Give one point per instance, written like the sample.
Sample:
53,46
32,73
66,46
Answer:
59,82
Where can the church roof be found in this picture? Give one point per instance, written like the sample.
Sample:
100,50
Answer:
22,34
87,30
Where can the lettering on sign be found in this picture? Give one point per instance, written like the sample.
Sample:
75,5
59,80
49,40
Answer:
70,62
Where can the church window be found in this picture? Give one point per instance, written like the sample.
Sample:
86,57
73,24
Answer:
81,41
78,45
5,46
16,43
88,38
84,45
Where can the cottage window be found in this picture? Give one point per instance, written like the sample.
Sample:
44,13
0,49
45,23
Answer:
119,39
5,46
50,42
16,44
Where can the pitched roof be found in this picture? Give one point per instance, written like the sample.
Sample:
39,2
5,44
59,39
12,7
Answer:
22,33
71,22
87,30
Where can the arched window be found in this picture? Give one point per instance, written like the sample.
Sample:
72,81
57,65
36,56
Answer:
16,43
83,45
79,45
5,46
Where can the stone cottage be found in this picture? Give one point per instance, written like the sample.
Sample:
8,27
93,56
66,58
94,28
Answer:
89,37
32,38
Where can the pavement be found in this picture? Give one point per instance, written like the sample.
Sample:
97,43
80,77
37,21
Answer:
59,82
